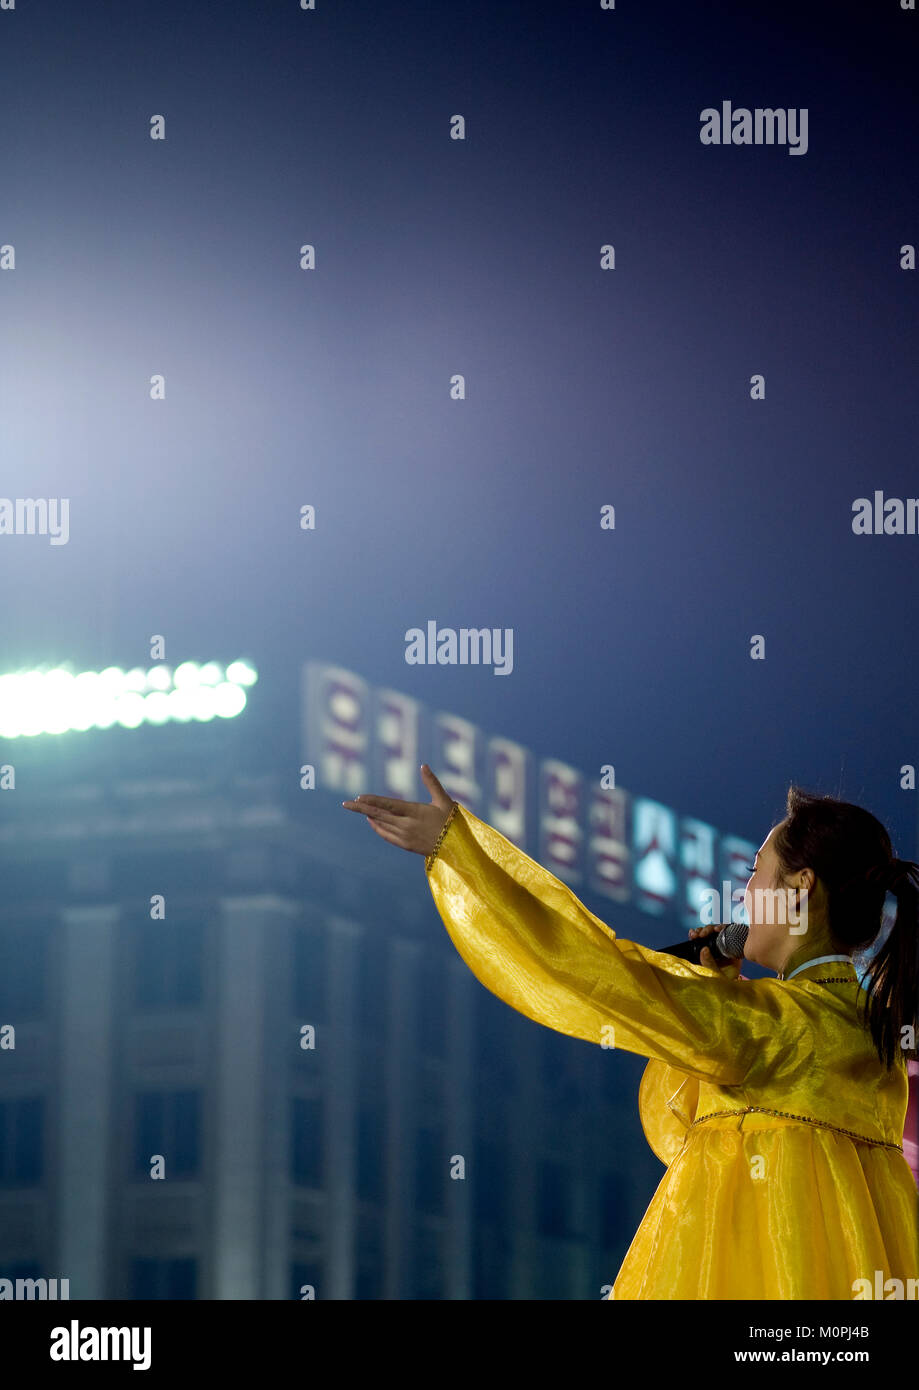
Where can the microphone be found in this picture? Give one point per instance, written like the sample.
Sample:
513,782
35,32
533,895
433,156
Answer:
725,945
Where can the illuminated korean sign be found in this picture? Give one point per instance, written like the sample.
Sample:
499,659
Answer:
606,840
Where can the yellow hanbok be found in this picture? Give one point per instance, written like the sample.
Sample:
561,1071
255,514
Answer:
781,1130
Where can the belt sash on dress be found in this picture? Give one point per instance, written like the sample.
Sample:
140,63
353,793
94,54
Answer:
768,1119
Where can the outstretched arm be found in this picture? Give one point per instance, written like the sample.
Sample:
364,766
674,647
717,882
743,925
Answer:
530,941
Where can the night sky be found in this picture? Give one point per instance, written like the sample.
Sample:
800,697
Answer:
585,386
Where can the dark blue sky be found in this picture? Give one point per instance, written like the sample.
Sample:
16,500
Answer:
480,256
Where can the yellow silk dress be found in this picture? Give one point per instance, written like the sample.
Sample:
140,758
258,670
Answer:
781,1130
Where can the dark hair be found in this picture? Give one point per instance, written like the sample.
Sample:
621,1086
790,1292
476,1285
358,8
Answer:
850,852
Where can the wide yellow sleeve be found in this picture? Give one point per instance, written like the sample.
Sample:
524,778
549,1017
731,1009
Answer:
667,1104
531,942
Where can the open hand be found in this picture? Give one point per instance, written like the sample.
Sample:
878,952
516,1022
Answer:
732,967
412,825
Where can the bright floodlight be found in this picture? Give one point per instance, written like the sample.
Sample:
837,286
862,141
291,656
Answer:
187,674
241,673
159,678
57,701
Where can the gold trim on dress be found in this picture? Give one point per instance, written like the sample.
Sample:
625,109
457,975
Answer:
429,859
807,1119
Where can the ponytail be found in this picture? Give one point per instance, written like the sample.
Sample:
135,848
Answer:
892,976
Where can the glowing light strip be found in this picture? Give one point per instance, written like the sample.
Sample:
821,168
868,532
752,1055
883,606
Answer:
59,701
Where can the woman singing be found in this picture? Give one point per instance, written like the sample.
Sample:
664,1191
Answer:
777,1104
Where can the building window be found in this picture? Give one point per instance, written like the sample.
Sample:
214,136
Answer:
24,1270
428,1263
614,1210
176,1278
22,1141
563,1065
372,984
167,1123
432,1005
306,1141
553,1201
368,1256
371,1156
430,1169
23,962
489,1182
168,963
494,1044
491,1264
308,975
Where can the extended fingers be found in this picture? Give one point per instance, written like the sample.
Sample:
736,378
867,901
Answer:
381,807
377,817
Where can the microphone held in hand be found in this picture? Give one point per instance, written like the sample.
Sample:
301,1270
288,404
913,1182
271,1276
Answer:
725,945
